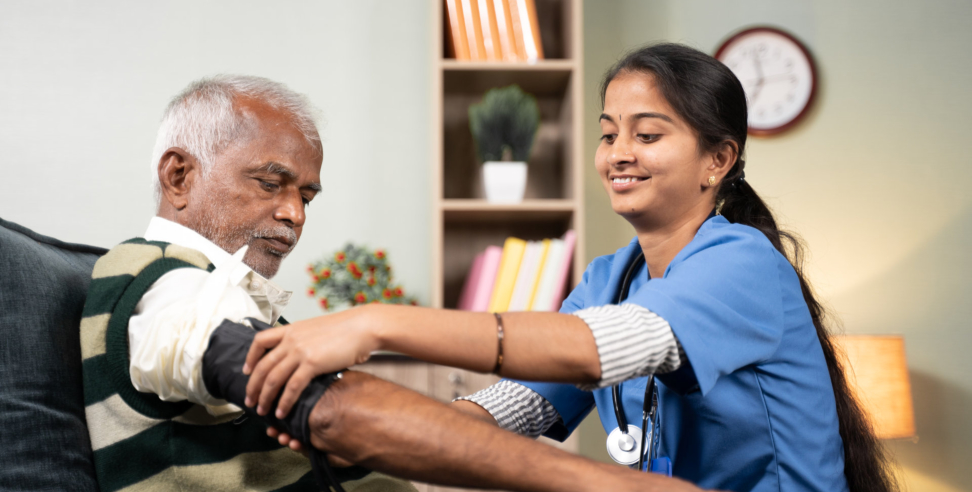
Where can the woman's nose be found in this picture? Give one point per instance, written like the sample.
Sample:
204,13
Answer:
620,153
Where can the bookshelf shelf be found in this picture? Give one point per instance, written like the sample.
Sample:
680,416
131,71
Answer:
539,66
457,210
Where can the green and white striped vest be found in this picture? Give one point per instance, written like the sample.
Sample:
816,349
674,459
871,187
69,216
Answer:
143,443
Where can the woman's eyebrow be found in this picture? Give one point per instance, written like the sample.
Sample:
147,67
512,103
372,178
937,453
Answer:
652,115
638,116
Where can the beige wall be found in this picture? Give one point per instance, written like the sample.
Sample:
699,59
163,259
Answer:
83,85
875,180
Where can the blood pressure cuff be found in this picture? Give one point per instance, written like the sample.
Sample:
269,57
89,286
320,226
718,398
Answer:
224,379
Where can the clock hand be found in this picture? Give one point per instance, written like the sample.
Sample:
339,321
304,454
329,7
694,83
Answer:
772,78
759,80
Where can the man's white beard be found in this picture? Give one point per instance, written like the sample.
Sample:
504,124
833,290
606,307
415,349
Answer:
214,225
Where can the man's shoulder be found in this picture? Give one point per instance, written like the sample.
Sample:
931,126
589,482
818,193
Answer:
132,257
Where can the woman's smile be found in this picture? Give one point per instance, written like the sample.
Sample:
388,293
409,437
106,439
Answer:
624,182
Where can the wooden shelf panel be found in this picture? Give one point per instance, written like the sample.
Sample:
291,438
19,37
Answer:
483,211
450,64
544,83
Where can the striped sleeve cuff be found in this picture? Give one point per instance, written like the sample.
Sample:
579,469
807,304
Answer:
516,408
632,342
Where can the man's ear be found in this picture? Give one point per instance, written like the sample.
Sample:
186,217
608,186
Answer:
178,170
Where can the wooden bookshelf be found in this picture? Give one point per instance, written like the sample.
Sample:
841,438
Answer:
463,222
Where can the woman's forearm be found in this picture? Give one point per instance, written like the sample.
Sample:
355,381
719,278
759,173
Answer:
536,346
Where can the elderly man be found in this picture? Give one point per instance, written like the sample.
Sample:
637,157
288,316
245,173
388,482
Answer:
236,161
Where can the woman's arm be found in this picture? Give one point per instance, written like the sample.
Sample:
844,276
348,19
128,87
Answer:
536,346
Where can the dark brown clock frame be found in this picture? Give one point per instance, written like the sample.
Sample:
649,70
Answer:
769,132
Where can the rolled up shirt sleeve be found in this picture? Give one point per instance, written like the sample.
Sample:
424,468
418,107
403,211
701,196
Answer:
170,331
631,342
516,408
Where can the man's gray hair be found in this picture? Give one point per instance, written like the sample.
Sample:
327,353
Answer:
202,120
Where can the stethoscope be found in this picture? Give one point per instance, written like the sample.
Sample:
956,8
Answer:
621,443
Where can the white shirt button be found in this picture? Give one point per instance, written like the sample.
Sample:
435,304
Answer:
255,284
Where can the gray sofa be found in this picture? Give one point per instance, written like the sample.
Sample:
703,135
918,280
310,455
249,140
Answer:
43,435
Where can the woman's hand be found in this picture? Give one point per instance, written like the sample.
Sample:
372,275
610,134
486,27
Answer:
303,351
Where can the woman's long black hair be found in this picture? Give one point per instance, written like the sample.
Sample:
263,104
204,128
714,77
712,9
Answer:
707,96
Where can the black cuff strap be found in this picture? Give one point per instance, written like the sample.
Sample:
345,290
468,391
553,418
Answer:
224,379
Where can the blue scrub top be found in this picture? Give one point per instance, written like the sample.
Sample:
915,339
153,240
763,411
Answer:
754,409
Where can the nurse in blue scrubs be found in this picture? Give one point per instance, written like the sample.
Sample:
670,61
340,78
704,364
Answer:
750,393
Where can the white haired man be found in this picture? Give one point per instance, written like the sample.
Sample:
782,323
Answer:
236,161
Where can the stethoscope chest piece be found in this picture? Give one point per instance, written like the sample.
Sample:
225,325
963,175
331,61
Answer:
624,448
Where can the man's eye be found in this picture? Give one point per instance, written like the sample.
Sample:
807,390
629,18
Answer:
266,185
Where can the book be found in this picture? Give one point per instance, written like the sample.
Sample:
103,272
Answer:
532,44
526,277
487,278
472,282
474,29
513,250
516,27
543,299
544,251
504,30
458,42
491,41
570,239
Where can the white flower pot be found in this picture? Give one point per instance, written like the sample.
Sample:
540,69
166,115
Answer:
505,182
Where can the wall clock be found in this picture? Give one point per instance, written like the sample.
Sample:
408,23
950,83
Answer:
778,74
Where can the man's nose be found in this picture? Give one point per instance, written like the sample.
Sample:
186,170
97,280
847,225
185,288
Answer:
291,209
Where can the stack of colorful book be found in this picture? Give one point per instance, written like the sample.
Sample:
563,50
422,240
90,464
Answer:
520,276
493,30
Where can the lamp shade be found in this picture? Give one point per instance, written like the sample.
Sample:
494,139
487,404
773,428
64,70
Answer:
877,373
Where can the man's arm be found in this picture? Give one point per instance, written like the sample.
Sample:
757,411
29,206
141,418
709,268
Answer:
385,427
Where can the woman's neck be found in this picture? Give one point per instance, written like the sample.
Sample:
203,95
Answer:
663,242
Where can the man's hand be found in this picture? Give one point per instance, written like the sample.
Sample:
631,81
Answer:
285,440
303,351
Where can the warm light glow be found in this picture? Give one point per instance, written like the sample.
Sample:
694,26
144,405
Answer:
877,371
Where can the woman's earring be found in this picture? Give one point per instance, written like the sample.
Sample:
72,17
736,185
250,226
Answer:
711,180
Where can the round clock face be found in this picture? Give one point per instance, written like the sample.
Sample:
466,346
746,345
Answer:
777,73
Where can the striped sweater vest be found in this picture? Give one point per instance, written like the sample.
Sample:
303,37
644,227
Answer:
143,443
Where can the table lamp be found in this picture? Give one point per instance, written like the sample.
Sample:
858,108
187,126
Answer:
877,373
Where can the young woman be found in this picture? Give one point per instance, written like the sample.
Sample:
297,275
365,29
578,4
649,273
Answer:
751,395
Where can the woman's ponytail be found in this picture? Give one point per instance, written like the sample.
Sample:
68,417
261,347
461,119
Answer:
707,95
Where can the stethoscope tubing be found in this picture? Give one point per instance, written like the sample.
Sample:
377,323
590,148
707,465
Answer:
650,402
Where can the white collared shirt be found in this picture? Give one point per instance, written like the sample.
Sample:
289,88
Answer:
170,329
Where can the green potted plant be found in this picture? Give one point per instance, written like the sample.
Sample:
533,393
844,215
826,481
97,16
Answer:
504,125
